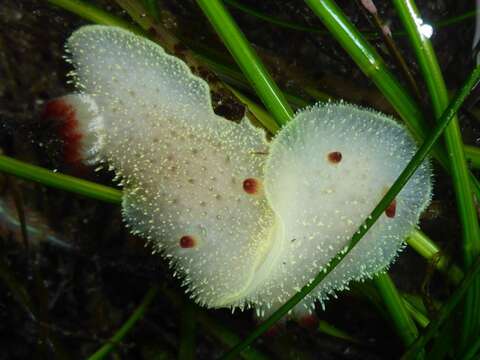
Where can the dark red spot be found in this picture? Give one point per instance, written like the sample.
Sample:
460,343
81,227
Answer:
308,322
335,157
66,126
251,186
187,241
390,210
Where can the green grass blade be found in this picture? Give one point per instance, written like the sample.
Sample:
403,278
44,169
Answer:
474,351
59,181
330,330
95,14
430,69
472,153
371,64
262,116
456,19
395,306
425,247
248,61
152,8
274,20
188,328
234,77
415,312
211,326
447,309
127,326
316,30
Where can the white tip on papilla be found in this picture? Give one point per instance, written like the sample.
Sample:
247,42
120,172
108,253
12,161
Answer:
242,227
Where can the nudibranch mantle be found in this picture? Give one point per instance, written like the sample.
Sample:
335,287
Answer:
242,221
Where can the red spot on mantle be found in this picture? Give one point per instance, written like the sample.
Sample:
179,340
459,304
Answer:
251,186
63,114
187,241
335,157
391,209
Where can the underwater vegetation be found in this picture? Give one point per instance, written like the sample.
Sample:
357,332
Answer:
273,209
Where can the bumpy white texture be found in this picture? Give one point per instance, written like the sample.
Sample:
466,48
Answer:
183,170
320,204
182,166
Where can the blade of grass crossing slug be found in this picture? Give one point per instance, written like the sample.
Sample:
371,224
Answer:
248,61
416,161
416,28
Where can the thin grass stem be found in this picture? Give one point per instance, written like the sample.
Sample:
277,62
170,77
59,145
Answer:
95,14
473,351
330,330
60,181
395,306
317,30
472,153
247,60
126,327
371,64
413,23
188,330
220,332
425,247
445,312
415,313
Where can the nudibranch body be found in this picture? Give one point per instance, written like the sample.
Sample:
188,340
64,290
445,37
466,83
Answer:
242,221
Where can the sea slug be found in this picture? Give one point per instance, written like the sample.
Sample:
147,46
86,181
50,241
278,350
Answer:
244,222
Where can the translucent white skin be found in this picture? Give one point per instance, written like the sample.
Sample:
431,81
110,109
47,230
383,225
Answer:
183,170
320,204
182,166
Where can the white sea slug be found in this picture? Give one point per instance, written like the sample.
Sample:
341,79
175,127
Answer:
243,222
